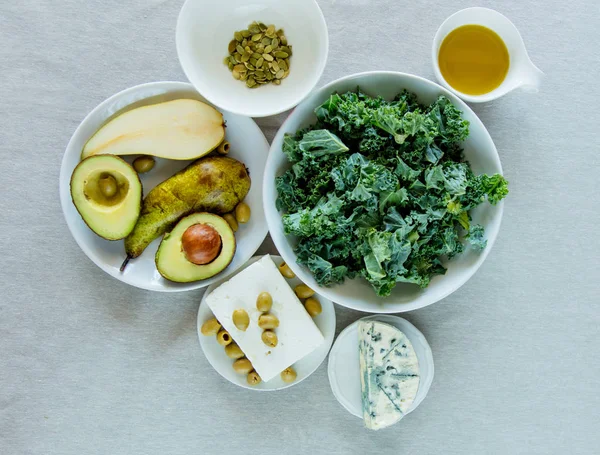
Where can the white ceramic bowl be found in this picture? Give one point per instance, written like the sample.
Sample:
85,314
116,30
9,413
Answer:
358,294
205,28
248,144
344,368
304,367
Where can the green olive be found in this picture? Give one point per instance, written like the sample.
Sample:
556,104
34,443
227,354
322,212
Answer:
241,319
264,302
288,375
223,148
242,213
269,338
286,271
253,378
233,351
223,338
303,291
313,307
242,366
108,186
268,321
143,164
210,327
233,224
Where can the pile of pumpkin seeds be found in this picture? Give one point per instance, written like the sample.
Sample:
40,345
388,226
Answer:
259,55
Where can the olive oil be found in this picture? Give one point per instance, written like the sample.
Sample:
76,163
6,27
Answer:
473,59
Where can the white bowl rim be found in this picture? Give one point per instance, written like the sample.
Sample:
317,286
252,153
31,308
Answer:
259,114
65,196
327,292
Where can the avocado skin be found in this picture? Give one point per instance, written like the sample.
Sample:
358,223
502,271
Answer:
214,184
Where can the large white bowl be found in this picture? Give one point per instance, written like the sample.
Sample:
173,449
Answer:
205,28
248,145
358,294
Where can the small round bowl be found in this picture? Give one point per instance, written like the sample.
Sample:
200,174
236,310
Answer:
205,28
344,369
358,294
304,367
248,145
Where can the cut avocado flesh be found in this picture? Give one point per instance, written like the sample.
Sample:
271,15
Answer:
182,129
113,217
171,260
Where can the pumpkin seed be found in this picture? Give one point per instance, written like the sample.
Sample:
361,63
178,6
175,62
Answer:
256,37
265,41
268,57
280,54
286,74
259,74
237,57
226,60
268,49
280,74
266,66
232,45
246,33
275,66
274,43
245,42
256,55
270,30
252,61
230,66
239,49
239,68
236,74
254,28
259,62
238,36
262,26
232,60
277,82
283,40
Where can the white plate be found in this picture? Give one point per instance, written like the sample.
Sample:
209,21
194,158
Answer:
205,28
344,369
358,294
304,368
248,145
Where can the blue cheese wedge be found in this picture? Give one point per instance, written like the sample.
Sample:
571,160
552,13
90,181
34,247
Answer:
297,334
389,373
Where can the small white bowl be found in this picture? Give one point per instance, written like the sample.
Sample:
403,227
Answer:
205,28
358,294
248,145
344,368
304,367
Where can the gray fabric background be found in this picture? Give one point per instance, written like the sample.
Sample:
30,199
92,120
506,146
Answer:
89,365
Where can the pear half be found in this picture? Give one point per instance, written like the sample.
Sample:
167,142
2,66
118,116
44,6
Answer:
182,129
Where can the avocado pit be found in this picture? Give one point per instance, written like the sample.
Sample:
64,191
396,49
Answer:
201,244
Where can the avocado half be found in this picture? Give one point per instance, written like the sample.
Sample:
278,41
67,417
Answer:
172,261
112,218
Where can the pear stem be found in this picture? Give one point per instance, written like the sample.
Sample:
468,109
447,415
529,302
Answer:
125,262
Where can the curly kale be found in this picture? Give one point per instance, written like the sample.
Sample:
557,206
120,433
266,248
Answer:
380,189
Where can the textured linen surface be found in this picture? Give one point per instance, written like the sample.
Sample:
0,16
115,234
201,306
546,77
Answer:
89,365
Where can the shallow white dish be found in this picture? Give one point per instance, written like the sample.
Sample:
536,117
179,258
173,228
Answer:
304,368
205,28
248,144
480,151
344,369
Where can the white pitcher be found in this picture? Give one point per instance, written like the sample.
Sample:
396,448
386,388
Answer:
521,72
